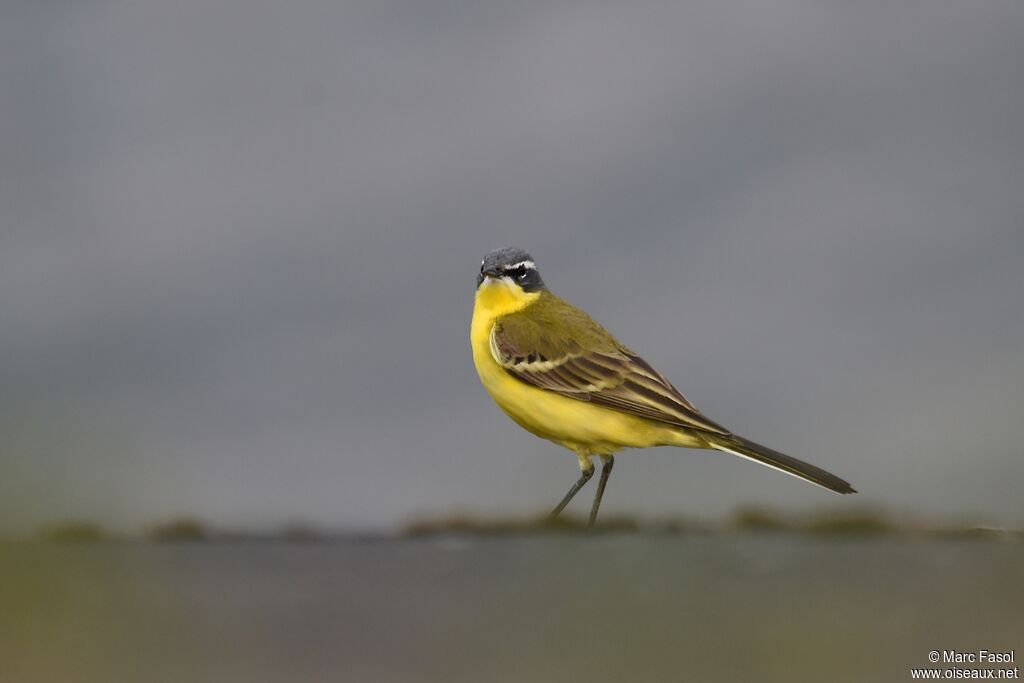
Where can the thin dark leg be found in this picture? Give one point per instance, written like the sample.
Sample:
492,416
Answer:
606,469
585,476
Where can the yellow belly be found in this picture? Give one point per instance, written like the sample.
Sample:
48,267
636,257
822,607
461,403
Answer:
582,427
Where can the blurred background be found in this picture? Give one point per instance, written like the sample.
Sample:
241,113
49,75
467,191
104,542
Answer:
238,243
240,240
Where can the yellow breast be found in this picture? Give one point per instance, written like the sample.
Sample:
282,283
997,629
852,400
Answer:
577,425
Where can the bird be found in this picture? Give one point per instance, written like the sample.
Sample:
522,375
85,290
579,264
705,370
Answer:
562,376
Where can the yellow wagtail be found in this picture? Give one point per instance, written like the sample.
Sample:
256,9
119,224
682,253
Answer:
563,377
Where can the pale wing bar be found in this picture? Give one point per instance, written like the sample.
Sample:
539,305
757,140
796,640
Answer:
621,381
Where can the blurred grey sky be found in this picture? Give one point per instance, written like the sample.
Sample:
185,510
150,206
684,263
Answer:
238,243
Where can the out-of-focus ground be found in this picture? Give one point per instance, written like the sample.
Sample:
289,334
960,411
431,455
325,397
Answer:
766,606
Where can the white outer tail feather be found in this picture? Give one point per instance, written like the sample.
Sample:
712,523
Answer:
769,465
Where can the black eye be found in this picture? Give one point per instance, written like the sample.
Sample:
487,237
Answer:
519,272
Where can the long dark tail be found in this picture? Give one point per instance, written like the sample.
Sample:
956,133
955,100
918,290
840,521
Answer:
737,445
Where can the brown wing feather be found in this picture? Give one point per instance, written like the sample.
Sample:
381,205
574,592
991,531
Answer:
606,373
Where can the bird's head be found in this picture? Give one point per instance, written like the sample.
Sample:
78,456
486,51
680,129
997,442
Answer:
511,267
508,279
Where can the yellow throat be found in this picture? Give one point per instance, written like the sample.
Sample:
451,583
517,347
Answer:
498,297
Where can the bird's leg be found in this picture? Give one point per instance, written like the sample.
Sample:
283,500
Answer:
606,469
586,472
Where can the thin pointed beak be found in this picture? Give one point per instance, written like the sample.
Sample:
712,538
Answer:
486,276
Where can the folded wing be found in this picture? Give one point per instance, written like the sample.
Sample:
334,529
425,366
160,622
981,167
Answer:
578,359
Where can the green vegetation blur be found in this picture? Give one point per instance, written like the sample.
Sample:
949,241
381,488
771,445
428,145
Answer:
760,596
